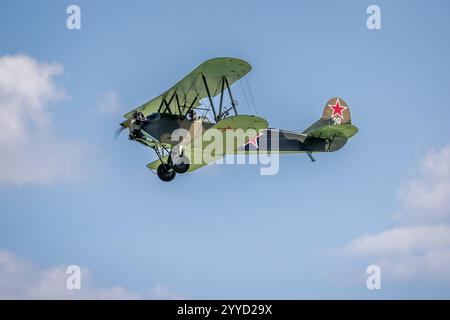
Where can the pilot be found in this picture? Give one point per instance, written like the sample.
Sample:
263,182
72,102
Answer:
192,115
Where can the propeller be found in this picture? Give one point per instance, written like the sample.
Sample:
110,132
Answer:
122,126
137,119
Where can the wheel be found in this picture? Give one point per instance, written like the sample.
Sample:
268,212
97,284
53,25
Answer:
165,172
181,164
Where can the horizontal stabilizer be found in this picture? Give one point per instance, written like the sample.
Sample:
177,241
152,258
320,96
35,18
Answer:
331,131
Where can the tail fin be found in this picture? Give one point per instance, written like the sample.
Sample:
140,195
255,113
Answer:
336,111
335,122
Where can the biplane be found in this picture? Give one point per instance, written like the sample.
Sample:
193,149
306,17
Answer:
153,124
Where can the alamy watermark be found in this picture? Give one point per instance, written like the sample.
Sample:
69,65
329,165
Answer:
246,147
73,21
374,19
73,281
374,279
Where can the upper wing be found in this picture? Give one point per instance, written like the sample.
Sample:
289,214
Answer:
191,89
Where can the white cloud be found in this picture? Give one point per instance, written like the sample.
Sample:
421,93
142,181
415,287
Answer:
51,284
20,279
427,197
162,292
406,239
421,246
31,151
431,263
109,103
408,250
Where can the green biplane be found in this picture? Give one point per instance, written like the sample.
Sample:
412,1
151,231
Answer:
170,126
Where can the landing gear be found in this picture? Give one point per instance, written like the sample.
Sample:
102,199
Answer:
175,162
180,164
165,172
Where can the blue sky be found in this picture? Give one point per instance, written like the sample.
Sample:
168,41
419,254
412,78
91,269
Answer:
226,231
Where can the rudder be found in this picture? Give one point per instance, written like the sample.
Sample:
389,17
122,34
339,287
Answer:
337,111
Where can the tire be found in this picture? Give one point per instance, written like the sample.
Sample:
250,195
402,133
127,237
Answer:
165,172
181,164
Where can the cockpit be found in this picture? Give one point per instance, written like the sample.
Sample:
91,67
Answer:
154,116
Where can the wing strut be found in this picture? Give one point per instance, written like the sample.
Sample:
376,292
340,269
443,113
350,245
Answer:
310,156
218,114
178,104
166,104
221,99
233,104
190,107
209,97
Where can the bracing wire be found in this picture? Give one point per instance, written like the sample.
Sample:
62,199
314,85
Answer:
190,88
206,109
251,96
209,108
245,96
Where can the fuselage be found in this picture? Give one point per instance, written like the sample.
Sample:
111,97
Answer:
161,128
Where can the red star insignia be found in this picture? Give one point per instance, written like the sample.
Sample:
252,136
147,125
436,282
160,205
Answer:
337,109
254,141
